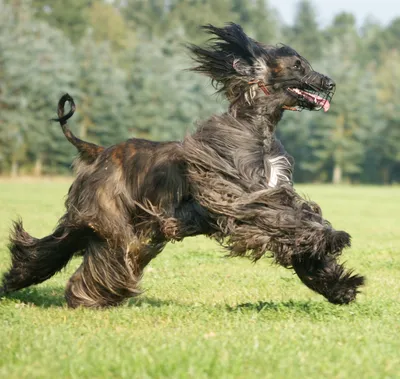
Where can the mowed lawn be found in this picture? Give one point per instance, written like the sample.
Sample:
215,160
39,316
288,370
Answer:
205,316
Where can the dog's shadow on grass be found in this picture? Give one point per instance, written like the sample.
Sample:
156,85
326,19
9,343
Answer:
288,307
53,297
50,297
41,297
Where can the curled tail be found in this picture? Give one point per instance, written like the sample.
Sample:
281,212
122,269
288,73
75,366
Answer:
34,260
88,152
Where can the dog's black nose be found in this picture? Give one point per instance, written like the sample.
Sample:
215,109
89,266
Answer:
329,84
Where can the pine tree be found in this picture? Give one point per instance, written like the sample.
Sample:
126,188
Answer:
166,99
257,18
108,25
190,14
392,34
101,94
146,17
37,64
71,17
339,137
305,35
384,144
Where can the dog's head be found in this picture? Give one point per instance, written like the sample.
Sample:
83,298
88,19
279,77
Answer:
243,68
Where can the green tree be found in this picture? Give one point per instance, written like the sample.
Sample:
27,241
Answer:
258,19
305,35
190,14
147,17
339,137
383,163
165,98
108,25
71,17
101,94
36,64
392,34
372,41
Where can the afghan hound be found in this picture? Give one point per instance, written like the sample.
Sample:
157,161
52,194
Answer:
230,180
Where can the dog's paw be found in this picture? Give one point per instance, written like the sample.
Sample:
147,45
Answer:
346,289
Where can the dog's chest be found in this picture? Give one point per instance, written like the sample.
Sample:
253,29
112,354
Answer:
278,164
280,171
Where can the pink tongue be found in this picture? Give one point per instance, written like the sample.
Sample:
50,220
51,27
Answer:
326,105
317,100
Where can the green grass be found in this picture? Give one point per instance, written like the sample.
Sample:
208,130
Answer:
205,316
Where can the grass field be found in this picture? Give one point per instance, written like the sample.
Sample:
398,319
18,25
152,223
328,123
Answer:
203,316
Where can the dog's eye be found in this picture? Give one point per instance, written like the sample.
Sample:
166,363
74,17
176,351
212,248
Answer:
297,65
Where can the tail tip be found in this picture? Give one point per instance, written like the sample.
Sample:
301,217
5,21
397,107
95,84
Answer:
62,119
66,97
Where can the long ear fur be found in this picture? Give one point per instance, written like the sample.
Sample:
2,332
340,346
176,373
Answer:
230,53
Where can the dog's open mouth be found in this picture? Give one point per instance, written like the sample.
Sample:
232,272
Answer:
312,99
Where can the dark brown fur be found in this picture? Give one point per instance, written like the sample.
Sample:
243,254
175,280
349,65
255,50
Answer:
230,180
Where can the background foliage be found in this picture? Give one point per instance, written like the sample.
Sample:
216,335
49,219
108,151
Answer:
124,60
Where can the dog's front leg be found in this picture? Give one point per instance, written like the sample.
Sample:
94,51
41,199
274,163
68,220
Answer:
328,278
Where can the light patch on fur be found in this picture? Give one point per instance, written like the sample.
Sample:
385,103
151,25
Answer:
279,166
260,68
250,94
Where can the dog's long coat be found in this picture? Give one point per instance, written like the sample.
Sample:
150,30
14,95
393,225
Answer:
230,180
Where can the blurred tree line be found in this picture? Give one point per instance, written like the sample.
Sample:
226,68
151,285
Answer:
124,63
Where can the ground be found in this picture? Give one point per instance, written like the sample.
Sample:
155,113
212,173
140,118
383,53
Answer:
205,316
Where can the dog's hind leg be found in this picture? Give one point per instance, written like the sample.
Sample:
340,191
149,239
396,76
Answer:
327,277
34,260
107,276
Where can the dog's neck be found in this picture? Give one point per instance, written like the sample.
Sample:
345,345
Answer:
263,113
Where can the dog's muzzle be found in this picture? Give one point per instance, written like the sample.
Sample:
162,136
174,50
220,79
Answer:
314,93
